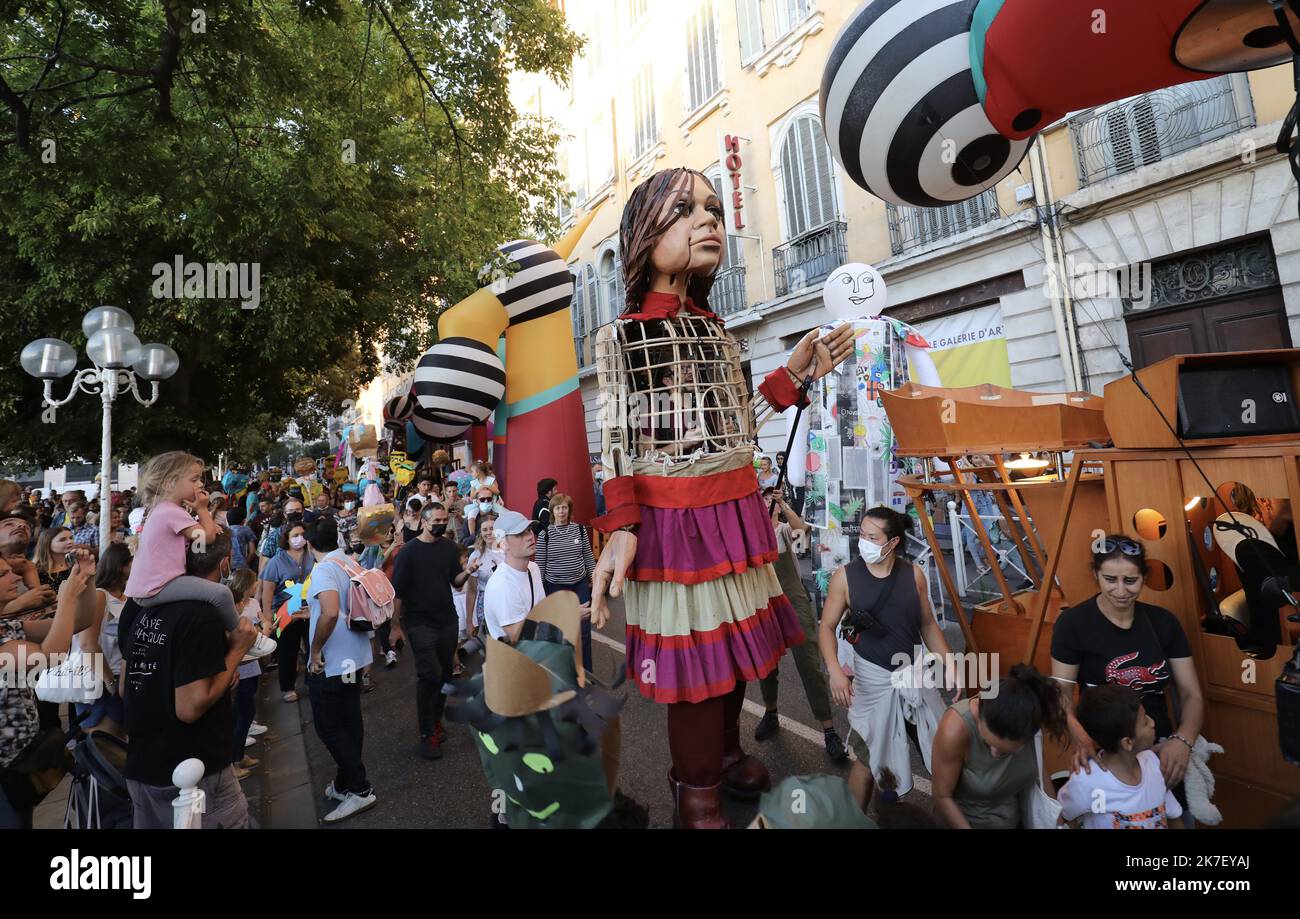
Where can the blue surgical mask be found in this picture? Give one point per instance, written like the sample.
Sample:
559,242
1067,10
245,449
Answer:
485,506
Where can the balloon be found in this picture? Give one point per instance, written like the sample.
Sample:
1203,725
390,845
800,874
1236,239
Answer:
854,291
900,107
930,102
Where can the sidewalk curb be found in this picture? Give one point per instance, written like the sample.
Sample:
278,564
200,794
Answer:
280,791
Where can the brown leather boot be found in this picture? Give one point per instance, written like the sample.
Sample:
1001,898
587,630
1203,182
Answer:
744,776
697,807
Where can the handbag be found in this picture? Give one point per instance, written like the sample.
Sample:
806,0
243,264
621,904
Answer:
74,679
38,770
1038,809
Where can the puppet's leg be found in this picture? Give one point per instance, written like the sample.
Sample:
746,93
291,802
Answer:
742,775
695,740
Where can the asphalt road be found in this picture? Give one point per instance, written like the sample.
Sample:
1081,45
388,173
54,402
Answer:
452,792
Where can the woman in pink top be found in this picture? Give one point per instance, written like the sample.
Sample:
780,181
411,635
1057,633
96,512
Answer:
169,484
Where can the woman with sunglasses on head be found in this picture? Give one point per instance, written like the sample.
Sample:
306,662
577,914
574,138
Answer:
1114,638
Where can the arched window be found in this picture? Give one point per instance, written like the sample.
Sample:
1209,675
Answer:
806,178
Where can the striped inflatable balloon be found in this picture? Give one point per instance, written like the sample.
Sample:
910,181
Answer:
458,382
397,411
541,283
901,110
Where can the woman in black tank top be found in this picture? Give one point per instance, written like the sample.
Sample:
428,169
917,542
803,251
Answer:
885,599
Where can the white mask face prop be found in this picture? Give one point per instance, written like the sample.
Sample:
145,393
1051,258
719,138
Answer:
854,291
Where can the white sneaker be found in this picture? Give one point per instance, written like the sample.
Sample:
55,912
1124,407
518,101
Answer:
390,659
332,794
261,648
352,804
256,730
249,741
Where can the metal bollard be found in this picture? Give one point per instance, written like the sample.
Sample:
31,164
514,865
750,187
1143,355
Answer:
188,808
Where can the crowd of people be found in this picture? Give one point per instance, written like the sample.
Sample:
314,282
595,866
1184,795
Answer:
203,591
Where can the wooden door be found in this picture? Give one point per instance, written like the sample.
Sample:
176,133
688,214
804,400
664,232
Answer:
1249,324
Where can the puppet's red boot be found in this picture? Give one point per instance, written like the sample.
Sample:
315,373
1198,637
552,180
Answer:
697,807
744,776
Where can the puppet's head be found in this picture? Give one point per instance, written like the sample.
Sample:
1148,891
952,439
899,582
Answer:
672,223
540,727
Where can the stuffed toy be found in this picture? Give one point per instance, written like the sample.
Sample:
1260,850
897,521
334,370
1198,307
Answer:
1199,783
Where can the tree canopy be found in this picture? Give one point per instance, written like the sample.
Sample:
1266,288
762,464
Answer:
365,156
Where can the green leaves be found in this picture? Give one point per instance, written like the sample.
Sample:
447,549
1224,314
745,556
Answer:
301,140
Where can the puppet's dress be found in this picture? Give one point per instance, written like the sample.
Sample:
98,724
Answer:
704,607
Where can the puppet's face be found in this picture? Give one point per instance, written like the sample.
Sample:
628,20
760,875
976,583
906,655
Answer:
854,291
693,244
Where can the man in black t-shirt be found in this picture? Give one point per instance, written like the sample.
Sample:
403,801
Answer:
425,573
180,666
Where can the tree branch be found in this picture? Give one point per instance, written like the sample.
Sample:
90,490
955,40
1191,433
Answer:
424,79
22,115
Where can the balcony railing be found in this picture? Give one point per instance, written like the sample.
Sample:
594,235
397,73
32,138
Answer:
1155,126
807,259
910,227
727,297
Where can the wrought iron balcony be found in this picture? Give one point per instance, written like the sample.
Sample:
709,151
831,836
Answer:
1146,129
910,227
727,297
807,259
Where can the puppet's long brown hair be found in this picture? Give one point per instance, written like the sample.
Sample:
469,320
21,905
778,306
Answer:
642,227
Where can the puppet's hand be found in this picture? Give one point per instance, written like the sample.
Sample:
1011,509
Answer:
819,356
610,573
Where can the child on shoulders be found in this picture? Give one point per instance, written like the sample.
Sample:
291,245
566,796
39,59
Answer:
171,483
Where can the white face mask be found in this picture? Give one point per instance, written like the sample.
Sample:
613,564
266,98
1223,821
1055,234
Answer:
297,542
870,552
485,506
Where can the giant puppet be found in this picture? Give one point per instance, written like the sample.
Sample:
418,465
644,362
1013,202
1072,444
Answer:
691,545
930,102
508,348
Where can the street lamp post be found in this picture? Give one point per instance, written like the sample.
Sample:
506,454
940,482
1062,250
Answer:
120,363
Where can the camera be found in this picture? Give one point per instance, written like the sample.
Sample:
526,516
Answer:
859,622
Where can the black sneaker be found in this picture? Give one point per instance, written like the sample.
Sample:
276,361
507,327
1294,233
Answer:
835,747
767,726
431,747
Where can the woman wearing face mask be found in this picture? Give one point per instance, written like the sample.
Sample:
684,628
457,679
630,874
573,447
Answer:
484,502
292,563
884,603
1113,638
984,755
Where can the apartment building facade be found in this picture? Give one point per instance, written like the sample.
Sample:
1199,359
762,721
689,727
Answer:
1159,224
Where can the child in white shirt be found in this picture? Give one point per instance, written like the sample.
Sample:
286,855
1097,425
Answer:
1125,789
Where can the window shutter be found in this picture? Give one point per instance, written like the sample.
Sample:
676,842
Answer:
593,300
749,22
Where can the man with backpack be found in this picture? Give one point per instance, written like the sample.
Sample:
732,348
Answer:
338,654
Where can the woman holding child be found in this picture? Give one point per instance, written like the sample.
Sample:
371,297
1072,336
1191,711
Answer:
1113,638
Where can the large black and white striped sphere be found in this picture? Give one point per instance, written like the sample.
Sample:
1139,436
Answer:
900,109
541,283
458,382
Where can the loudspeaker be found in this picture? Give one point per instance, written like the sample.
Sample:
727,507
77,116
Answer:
1235,402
